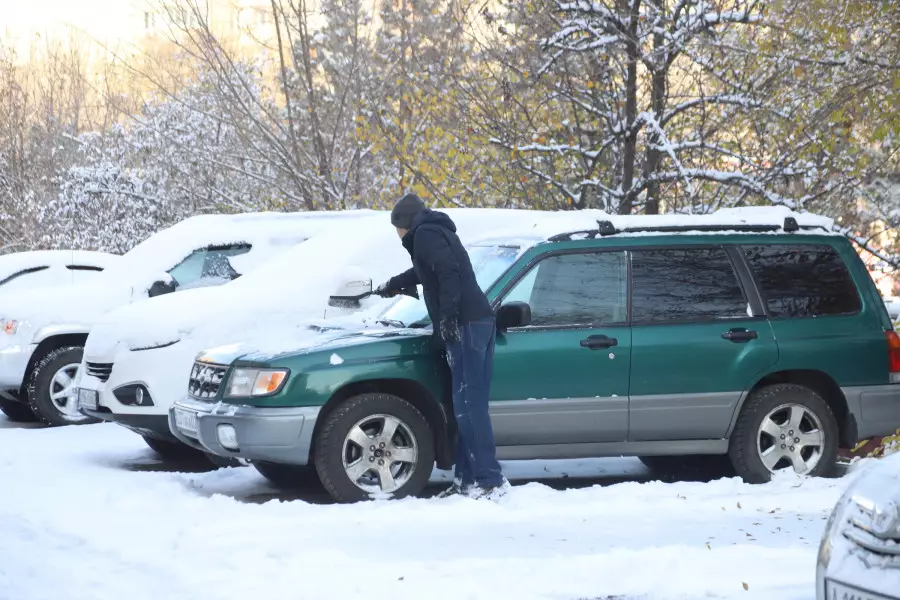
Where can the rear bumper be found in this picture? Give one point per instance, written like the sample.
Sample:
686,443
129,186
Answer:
875,408
281,435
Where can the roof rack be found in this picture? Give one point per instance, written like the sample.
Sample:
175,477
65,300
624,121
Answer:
606,228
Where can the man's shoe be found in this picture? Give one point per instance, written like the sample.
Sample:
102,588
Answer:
490,492
457,489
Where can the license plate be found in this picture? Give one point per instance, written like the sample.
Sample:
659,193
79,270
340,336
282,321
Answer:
186,420
88,398
839,591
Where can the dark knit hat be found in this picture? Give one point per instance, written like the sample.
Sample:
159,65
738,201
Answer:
405,210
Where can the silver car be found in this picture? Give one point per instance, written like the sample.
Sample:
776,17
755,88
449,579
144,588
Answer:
859,557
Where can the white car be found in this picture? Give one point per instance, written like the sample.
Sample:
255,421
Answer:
30,270
42,336
859,557
138,359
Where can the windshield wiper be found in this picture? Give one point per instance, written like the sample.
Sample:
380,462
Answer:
392,323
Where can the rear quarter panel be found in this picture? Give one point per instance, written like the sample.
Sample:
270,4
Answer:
850,348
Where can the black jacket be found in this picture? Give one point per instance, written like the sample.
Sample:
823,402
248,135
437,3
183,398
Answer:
441,265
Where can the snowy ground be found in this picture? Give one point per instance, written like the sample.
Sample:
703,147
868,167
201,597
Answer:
89,513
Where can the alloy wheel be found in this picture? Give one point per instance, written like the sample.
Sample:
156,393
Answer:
790,435
63,393
380,453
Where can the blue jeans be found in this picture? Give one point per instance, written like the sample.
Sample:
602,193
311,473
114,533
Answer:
471,366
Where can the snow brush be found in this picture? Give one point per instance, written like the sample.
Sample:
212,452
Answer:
345,300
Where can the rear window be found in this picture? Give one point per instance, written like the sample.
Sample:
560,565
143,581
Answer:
673,285
803,281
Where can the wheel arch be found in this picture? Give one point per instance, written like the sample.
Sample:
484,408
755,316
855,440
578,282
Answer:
47,345
820,382
408,389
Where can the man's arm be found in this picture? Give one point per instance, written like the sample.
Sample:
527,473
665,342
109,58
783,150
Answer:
407,279
435,253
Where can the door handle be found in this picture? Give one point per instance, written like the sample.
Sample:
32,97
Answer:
739,335
596,342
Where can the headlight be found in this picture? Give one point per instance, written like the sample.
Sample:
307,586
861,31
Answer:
255,382
10,326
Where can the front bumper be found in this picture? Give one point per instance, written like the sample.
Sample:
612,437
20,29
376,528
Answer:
13,362
154,426
280,435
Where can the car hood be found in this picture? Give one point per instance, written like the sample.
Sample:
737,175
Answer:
310,338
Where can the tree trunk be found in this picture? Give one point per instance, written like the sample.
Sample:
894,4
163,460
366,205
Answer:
631,84
658,102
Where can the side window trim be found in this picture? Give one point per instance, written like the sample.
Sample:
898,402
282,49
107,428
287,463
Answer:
23,272
532,264
765,301
84,268
727,248
748,281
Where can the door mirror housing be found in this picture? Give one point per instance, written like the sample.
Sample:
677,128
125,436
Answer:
513,314
162,286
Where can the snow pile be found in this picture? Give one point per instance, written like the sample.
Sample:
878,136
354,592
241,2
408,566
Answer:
123,532
10,264
293,287
134,272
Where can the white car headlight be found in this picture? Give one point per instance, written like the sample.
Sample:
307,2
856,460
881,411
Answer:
245,383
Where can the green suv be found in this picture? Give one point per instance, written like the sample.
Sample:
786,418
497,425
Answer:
759,346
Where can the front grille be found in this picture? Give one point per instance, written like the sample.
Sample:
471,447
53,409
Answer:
101,371
876,546
206,379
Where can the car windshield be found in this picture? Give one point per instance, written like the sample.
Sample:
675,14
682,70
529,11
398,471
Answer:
488,262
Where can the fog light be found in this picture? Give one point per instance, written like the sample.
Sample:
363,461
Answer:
227,436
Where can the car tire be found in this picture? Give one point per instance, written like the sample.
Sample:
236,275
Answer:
171,450
339,451
52,375
17,412
770,413
695,466
287,477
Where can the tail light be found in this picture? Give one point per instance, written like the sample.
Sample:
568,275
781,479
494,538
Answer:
893,343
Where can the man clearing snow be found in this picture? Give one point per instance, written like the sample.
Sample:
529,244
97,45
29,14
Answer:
462,316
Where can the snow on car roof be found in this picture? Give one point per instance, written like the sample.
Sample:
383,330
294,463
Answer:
167,247
10,264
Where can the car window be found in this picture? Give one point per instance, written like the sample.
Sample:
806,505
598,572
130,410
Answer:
575,289
26,278
207,266
803,281
685,284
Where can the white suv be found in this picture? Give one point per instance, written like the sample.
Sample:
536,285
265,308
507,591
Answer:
42,336
138,359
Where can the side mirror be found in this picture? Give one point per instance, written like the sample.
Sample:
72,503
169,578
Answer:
161,287
349,293
513,314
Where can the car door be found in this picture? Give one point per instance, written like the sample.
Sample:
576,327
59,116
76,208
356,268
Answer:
698,341
563,379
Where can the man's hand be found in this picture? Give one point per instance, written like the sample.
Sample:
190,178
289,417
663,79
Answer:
449,330
384,290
